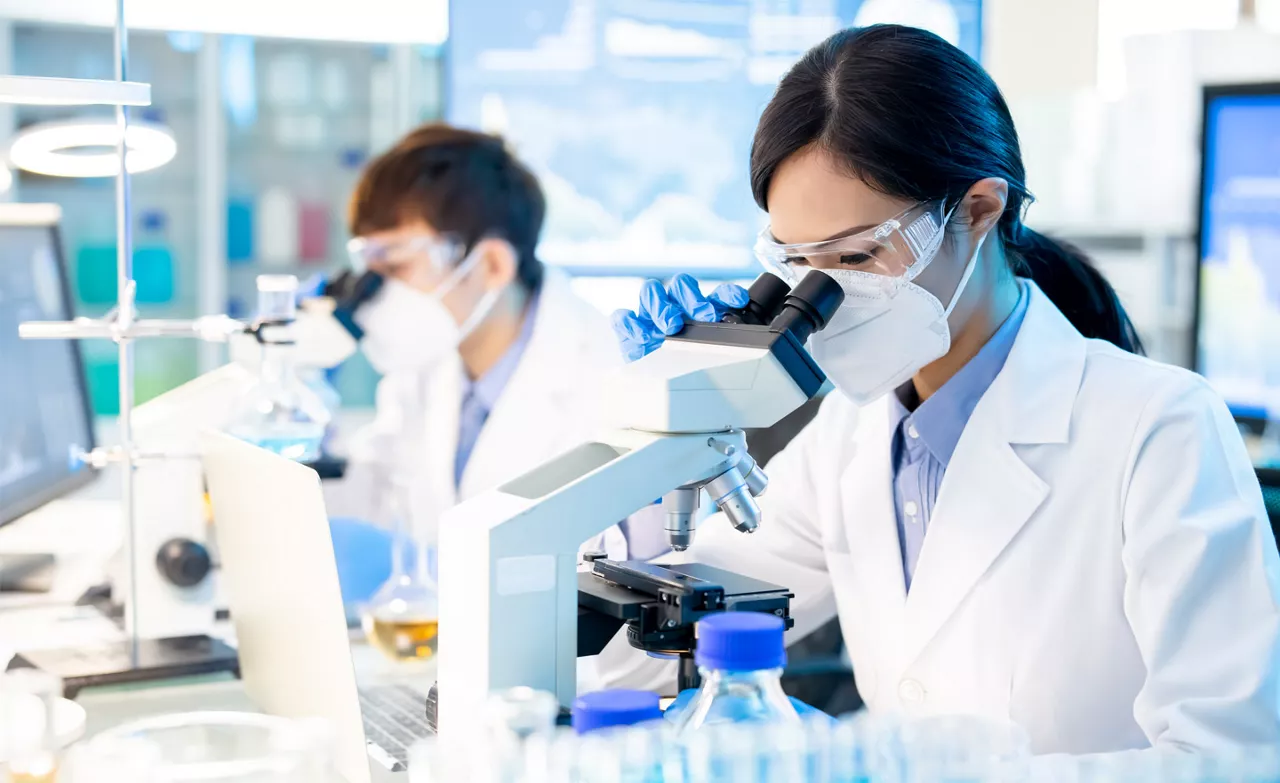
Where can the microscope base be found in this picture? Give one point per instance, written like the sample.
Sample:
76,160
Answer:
113,663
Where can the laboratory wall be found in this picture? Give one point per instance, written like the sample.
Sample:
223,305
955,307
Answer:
293,122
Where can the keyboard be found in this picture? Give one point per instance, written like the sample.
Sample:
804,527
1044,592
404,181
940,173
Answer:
395,717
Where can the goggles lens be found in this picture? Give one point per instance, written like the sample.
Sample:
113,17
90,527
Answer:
442,253
897,249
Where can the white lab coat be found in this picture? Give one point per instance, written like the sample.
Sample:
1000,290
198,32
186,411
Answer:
550,404
1098,567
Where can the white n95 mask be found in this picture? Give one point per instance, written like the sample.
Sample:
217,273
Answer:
877,339
407,330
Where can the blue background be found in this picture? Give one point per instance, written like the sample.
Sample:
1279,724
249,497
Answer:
626,142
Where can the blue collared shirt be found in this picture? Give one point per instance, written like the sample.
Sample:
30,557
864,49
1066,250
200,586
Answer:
925,438
479,396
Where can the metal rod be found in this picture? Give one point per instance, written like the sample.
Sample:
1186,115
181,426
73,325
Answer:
211,193
209,328
125,293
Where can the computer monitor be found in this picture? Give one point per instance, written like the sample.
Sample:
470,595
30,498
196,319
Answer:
45,416
1237,324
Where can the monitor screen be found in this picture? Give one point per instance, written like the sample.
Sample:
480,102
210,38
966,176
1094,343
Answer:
1238,324
44,411
637,115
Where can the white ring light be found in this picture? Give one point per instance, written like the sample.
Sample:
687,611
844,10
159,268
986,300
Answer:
44,148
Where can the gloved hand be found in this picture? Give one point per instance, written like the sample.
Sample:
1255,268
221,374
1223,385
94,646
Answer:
663,312
685,697
312,286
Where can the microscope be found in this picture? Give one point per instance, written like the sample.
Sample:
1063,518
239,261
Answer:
510,589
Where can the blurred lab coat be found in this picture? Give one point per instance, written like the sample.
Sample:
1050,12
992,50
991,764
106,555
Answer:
551,404
1098,568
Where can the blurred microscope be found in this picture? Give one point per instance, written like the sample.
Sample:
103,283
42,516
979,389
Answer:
511,597
163,579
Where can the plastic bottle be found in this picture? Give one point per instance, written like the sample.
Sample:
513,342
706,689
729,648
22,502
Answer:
279,413
612,708
740,656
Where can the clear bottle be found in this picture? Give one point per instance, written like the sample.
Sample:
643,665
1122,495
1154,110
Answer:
279,413
514,719
740,656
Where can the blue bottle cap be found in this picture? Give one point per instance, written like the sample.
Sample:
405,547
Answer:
741,641
603,709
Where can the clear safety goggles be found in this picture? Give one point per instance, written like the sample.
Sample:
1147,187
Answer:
443,252
891,254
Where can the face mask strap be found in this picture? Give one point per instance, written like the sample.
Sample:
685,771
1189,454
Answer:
459,272
482,308
964,279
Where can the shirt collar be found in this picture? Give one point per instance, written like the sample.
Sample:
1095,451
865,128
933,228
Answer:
488,387
941,419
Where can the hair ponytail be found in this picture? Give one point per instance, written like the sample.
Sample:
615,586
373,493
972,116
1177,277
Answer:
915,117
1065,274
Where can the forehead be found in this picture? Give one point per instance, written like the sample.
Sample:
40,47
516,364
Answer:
408,229
811,199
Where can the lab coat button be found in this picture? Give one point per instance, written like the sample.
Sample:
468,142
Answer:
911,692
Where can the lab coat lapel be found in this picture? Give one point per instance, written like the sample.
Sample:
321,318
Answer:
440,432
988,493
871,523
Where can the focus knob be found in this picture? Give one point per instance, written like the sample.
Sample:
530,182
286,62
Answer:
184,562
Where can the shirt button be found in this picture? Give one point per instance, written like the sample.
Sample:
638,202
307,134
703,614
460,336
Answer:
911,508
911,692
912,431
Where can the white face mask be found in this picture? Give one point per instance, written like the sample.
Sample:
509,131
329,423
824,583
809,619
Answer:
407,330
875,342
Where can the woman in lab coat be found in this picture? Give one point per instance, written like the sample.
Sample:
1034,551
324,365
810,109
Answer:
1012,512
489,361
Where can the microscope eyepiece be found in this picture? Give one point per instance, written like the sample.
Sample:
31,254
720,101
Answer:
765,298
349,291
809,306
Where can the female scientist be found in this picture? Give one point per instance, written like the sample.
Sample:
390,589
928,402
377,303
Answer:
1013,513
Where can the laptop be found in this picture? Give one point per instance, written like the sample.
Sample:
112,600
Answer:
282,588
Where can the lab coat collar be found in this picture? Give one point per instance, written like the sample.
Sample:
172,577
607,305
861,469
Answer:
1036,393
988,493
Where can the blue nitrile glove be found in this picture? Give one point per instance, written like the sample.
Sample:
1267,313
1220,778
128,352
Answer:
362,552
664,311
313,286
686,696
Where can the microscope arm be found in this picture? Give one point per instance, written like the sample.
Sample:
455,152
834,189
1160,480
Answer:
509,559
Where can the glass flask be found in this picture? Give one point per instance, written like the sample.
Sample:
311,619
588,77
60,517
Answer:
740,656
402,619
28,733
211,747
280,413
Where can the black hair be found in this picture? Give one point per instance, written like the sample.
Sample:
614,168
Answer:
460,182
916,118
